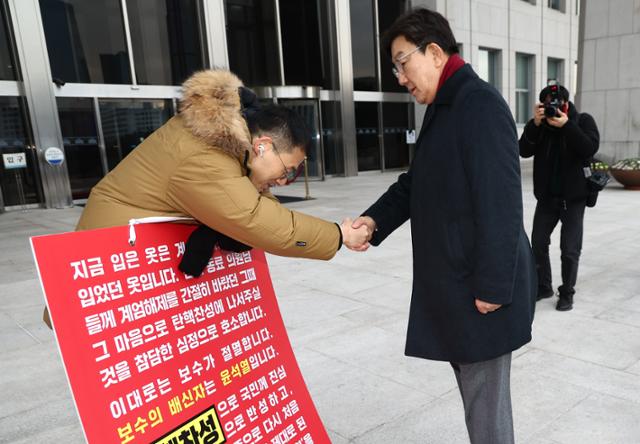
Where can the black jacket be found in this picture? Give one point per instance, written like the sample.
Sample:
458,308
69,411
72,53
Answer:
560,156
464,198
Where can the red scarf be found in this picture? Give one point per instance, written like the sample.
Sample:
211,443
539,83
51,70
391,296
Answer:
454,63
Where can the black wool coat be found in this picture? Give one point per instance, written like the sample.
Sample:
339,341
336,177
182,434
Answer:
463,196
560,155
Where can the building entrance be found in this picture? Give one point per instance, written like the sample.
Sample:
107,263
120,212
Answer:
20,182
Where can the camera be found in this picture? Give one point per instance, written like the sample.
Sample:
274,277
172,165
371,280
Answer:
551,108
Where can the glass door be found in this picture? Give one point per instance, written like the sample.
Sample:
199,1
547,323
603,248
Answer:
309,110
127,122
19,173
367,140
85,162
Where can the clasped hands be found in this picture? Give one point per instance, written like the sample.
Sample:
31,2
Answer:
356,234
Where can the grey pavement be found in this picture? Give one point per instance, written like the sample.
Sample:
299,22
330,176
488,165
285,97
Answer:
578,381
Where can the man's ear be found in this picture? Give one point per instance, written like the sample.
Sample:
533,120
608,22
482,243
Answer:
265,141
254,146
438,54
260,141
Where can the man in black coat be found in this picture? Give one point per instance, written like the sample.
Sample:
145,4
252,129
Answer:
474,279
563,143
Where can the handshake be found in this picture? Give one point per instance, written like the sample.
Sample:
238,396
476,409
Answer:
356,234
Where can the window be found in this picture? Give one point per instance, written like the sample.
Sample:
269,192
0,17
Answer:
555,70
80,138
252,41
309,111
558,5
85,41
367,141
166,37
388,12
127,122
20,185
489,66
395,118
524,66
304,61
363,45
333,150
8,67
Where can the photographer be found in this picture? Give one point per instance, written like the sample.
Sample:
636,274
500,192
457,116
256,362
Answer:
563,142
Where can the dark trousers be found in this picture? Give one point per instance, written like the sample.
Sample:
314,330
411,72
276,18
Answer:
486,395
571,215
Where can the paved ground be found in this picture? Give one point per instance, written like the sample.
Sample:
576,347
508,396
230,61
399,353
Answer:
578,381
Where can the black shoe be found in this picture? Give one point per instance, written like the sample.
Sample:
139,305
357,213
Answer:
544,295
565,303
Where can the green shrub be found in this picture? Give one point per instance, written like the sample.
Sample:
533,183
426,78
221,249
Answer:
627,164
599,166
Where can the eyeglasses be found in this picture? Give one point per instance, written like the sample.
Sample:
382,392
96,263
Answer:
290,174
398,65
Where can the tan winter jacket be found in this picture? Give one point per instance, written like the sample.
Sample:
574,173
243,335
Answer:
193,166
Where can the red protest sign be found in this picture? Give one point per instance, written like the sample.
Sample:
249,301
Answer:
155,356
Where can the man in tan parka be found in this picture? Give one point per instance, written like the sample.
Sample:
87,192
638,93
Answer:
211,164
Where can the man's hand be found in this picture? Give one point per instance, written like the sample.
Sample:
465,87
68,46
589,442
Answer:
364,221
559,120
355,237
538,113
486,307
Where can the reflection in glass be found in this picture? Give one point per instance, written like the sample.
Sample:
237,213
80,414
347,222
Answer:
333,149
363,45
85,41
80,138
166,40
252,41
395,118
126,123
15,139
367,136
7,64
388,11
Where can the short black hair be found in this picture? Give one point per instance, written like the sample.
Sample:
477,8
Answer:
421,26
564,93
282,124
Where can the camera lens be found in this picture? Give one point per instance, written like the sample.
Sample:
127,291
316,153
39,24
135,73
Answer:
550,110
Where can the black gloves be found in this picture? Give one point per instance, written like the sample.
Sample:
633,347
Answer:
199,248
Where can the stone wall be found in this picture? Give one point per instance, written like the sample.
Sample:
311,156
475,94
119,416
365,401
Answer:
609,74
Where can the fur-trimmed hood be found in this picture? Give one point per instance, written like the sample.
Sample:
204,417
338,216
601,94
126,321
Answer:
211,109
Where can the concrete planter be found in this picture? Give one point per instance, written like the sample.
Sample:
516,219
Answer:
629,178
